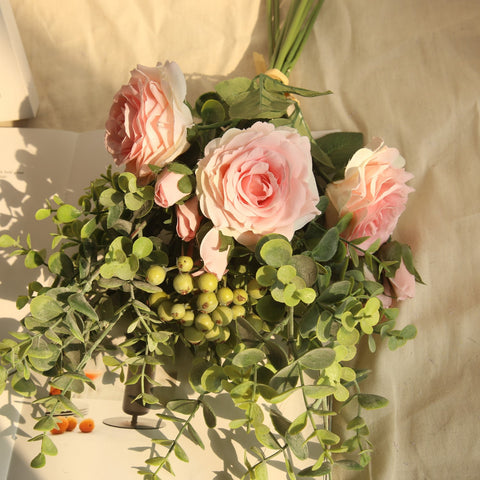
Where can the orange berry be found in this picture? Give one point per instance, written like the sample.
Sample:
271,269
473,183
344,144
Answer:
55,391
62,425
86,425
72,423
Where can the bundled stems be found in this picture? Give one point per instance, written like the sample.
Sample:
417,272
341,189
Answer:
287,41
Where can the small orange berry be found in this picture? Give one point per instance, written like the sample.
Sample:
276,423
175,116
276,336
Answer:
55,391
62,425
86,425
72,423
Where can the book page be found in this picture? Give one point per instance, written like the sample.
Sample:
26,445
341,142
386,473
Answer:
35,165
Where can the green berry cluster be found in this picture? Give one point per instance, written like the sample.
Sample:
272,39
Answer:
201,305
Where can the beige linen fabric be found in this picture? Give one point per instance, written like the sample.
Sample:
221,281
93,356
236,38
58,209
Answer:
408,71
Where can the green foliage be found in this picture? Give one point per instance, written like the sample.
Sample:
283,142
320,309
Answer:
301,307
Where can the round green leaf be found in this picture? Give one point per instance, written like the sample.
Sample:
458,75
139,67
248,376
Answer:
286,273
317,359
266,275
142,247
276,252
45,308
60,264
42,213
67,213
248,357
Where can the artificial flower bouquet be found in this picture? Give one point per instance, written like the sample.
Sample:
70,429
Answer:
236,233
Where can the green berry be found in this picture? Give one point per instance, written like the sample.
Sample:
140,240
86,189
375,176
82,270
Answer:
204,322
207,302
164,311
207,282
183,283
222,315
188,318
157,298
225,296
240,296
213,334
238,311
156,274
184,263
255,290
193,336
224,335
177,311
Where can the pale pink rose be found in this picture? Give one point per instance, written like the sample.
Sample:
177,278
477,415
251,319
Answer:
214,261
167,192
148,120
188,219
257,181
403,283
374,190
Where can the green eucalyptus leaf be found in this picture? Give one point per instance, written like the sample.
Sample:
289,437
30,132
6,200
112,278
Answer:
6,241
317,359
269,309
325,469
42,213
180,453
266,275
184,406
318,391
80,304
133,201
24,387
286,273
370,401
209,416
265,437
110,197
48,447
276,252
249,357
127,182
88,228
327,247
33,259
67,213
45,308
230,89
142,247
45,424
212,111
212,377
39,461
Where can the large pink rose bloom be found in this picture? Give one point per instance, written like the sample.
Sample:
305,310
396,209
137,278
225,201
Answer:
257,181
148,120
374,190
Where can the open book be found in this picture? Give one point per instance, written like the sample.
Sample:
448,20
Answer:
36,164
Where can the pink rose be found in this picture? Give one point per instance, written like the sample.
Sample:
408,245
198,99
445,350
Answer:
167,192
188,219
257,181
403,283
374,190
148,120
214,261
